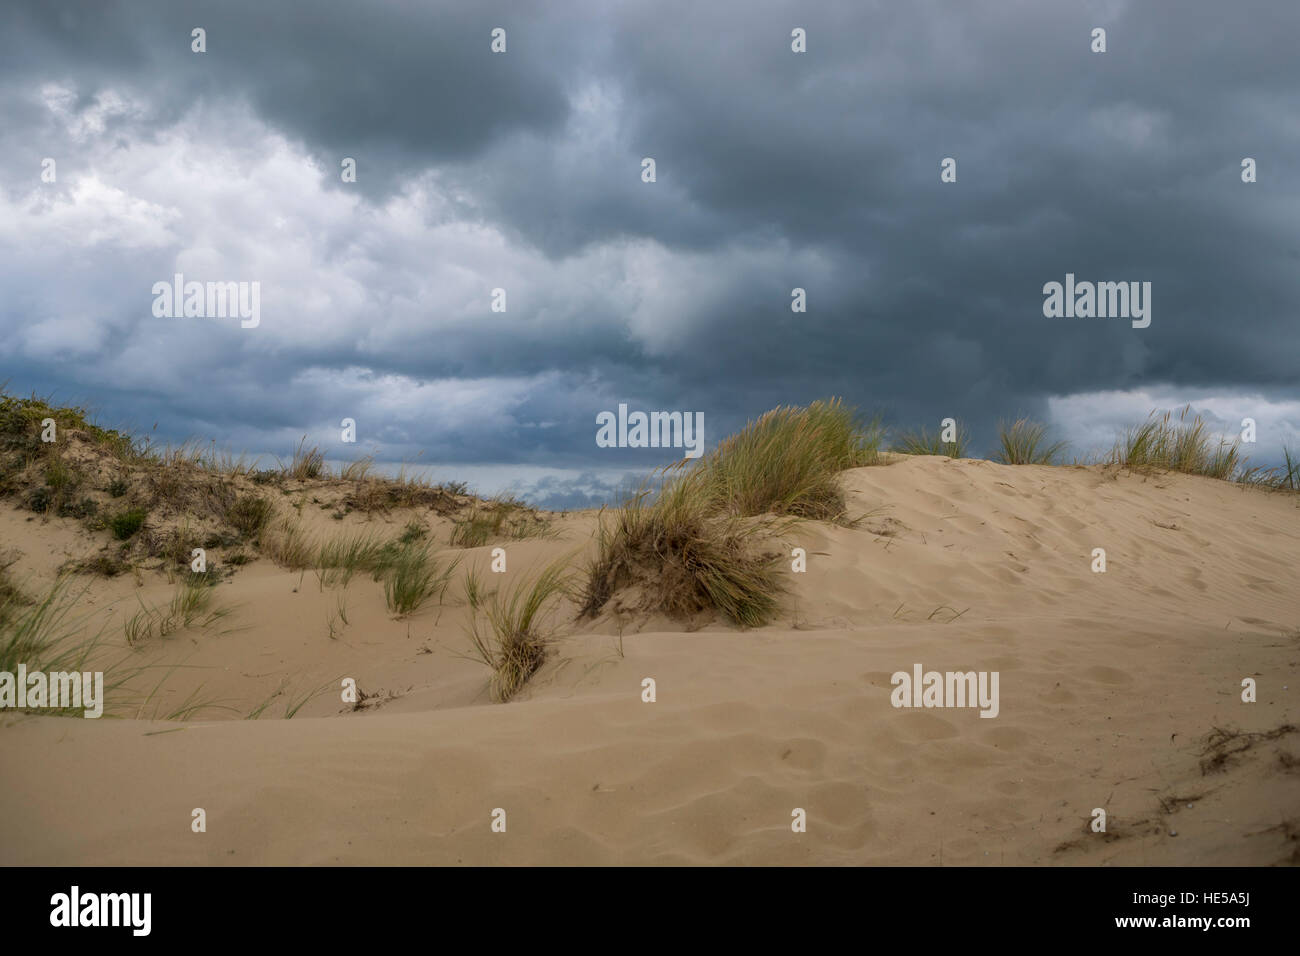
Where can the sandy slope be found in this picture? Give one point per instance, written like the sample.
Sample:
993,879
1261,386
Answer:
1110,684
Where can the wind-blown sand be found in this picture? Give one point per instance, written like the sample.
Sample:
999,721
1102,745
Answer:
1109,686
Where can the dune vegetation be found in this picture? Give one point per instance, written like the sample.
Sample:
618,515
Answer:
695,540
921,441
515,638
1024,442
1163,443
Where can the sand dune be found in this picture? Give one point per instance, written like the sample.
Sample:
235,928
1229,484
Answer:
1110,687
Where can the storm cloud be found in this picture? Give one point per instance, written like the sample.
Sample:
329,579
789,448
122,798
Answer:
521,170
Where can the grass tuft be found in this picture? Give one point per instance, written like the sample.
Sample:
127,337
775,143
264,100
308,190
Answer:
692,544
1024,442
357,470
788,462
248,514
476,595
514,643
126,523
1163,444
682,557
45,635
922,442
192,606
413,575
340,557
307,463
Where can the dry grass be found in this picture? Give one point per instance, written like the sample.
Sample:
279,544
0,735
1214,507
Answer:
501,519
1163,444
49,634
192,606
683,557
412,575
372,494
226,464
1283,478
11,595
306,464
45,635
475,592
357,470
341,557
1025,443
922,442
248,514
788,462
693,544
135,491
514,643
287,543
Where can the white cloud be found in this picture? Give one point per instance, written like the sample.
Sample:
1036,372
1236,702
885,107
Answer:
1093,420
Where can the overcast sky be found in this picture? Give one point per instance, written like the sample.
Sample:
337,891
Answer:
522,170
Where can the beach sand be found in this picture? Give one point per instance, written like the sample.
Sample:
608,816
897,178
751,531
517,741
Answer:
1112,686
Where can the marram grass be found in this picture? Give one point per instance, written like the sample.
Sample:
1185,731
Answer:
1024,442
691,545
1162,443
514,640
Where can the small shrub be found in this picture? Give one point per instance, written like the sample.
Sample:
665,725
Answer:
126,523
249,514
85,508
40,499
177,545
62,478
220,539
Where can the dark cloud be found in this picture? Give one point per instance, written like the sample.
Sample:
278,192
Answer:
399,86
775,170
